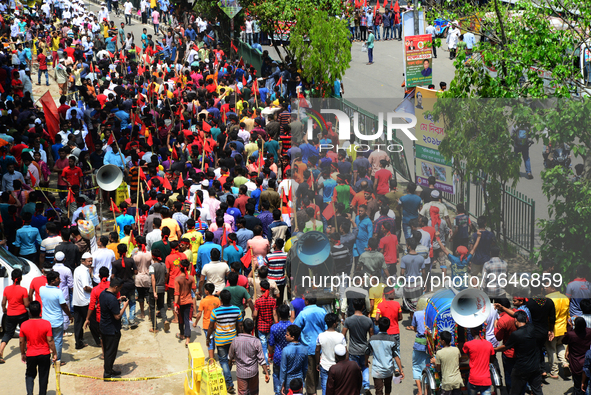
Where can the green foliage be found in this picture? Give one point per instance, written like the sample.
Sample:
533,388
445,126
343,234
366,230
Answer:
320,44
520,42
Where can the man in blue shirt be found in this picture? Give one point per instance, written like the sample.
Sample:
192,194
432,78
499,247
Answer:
113,157
311,320
364,231
309,150
54,305
27,238
204,253
277,342
124,219
294,361
411,204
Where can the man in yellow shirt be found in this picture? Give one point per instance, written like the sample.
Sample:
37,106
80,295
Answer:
172,224
55,46
195,238
555,348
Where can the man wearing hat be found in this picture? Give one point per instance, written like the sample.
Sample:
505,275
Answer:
344,377
66,280
370,43
81,297
110,324
429,211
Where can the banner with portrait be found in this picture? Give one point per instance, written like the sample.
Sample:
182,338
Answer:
418,60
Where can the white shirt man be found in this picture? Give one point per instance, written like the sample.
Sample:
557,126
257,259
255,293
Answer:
152,237
215,272
128,7
102,257
103,14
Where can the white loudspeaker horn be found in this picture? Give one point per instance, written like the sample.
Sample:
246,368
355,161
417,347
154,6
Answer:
109,177
470,308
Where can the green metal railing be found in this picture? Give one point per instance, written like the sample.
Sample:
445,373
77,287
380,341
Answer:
250,55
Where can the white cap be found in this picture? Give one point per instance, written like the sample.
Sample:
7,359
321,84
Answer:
340,350
86,255
38,121
205,183
435,194
59,256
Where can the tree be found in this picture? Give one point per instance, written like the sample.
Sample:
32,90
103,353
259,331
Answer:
320,45
528,52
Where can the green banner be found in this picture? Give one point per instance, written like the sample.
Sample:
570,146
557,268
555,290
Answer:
430,154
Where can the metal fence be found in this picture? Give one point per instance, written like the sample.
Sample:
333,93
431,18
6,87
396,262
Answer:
250,55
519,211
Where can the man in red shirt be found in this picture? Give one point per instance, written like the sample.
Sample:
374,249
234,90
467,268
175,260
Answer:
383,177
390,309
72,174
173,265
36,342
94,308
58,167
63,108
389,247
480,350
242,199
17,150
503,329
42,59
36,284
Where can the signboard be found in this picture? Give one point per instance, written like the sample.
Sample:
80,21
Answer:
408,23
418,62
429,162
470,24
230,7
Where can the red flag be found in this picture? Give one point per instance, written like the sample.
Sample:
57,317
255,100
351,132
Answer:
206,127
197,200
33,179
144,130
142,174
396,7
224,237
89,142
247,258
111,139
328,212
279,81
175,156
255,85
166,183
233,47
114,207
150,139
52,118
70,199
243,81
385,3
241,63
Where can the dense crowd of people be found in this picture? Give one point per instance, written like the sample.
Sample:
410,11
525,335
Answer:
221,181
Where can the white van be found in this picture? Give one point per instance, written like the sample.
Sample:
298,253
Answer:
8,263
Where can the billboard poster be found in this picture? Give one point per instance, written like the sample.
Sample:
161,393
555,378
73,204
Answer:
429,162
230,7
418,60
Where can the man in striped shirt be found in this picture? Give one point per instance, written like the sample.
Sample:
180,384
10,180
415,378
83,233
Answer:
247,352
276,263
226,320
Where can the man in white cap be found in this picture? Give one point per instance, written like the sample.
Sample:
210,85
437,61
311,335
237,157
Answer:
66,280
436,201
81,297
344,377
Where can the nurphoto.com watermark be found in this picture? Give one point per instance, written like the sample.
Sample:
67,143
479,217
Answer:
334,283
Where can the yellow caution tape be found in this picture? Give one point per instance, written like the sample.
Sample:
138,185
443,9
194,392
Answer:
62,190
124,379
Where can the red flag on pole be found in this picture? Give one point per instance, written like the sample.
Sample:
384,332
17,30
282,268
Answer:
247,258
243,81
150,139
33,179
233,47
114,207
328,212
111,139
279,81
142,175
385,3
206,127
52,118
70,199
396,7
166,183
241,63
224,237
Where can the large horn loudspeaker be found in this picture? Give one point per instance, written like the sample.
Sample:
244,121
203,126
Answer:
470,308
313,248
109,177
